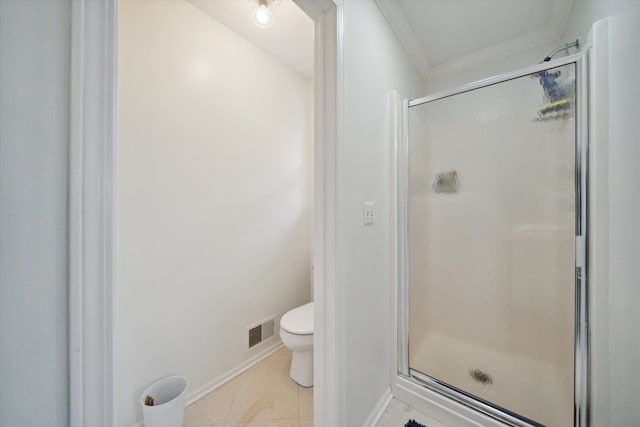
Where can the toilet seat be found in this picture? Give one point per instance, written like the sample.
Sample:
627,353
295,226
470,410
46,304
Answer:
299,321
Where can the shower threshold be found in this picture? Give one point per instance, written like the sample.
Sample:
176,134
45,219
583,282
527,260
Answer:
470,401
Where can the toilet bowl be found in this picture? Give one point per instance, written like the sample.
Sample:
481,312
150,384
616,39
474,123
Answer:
296,332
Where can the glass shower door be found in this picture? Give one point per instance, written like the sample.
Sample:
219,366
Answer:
491,225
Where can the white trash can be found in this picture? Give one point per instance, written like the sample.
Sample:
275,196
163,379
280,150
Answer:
168,403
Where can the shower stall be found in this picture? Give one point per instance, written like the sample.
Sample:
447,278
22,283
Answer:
492,302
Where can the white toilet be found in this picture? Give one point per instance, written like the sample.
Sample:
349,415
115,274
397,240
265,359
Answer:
296,332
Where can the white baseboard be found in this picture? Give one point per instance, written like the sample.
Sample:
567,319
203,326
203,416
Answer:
221,380
378,410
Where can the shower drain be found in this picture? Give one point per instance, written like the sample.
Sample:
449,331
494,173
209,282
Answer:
481,377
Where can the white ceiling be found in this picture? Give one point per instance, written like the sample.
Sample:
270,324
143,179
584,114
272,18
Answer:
289,39
441,36
448,36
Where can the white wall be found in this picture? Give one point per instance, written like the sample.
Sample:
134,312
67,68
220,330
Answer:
615,208
34,133
374,64
213,196
624,252
585,12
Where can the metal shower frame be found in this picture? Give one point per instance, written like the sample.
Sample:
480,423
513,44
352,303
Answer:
582,356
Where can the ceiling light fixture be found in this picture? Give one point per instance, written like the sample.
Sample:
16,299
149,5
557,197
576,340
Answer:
262,14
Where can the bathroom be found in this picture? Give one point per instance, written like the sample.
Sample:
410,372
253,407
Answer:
57,253
213,202
519,243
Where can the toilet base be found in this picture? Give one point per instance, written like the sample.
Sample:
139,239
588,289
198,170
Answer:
302,368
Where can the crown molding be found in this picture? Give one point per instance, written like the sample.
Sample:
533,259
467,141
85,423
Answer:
400,25
526,41
529,40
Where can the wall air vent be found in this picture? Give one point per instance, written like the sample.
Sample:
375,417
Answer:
255,335
260,332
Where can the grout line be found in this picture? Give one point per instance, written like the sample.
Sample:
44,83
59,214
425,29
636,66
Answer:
283,372
233,398
230,375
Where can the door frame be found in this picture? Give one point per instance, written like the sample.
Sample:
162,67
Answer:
92,288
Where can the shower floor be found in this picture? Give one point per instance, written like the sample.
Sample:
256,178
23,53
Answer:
523,384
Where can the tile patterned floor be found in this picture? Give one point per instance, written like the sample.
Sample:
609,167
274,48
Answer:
262,396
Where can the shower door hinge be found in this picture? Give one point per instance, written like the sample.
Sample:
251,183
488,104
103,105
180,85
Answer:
581,251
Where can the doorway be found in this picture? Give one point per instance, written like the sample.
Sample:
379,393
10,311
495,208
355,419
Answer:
94,35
